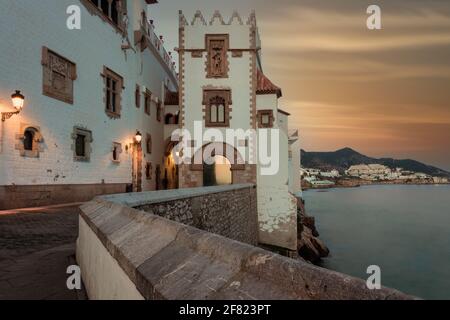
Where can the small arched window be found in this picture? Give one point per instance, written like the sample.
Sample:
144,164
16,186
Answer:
217,107
149,144
28,138
29,141
116,151
217,110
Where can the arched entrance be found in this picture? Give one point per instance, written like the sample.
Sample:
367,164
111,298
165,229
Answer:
217,172
170,172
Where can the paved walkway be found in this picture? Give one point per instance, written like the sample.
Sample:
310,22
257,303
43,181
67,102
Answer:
36,246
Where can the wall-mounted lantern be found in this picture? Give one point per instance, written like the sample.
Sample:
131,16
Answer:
18,101
138,137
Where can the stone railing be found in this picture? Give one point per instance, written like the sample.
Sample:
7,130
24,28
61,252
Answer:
156,44
229,211
127,253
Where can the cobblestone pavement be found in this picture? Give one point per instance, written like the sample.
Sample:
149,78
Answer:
36,246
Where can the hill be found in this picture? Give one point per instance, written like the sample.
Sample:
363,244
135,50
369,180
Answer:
344,158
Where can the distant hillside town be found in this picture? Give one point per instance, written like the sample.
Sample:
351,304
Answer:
341,160
366,174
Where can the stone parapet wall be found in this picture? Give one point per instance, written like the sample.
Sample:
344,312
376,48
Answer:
147,256
232,214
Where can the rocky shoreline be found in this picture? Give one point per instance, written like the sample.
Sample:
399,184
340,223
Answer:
309,246
354,183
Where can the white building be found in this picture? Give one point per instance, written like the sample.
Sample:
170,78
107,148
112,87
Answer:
101,104
87,92
369,172
330,174
222,86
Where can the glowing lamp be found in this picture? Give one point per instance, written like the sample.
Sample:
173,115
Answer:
18,100
138,137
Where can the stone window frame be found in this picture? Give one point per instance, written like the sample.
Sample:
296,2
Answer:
225,62
108,73
149,144
148,102
149,171
93,9
261,114
37,147
52,63
208,95
159,111
88,144
137,96
117,147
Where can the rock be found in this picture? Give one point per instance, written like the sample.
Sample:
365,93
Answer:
310,247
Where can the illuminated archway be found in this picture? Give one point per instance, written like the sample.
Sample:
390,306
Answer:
218,172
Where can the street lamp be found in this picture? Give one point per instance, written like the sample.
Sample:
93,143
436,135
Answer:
138,137
17,100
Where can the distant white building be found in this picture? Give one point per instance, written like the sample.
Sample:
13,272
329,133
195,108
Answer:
368,170
440,180
330,174
309,172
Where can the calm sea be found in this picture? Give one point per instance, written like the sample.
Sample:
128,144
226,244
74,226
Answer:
403,229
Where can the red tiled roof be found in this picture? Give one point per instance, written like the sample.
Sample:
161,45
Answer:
265,86
172,98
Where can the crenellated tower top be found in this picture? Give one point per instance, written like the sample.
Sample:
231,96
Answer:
216,19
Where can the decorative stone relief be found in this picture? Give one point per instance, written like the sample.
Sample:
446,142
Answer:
217,46
58,76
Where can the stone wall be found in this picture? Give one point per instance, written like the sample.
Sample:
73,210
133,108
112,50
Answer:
125,253
232,214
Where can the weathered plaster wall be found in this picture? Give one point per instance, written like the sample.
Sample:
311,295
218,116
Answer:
277,207
164,259
106,280
294,168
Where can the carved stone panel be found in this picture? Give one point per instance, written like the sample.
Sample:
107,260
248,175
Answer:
58,76
217,46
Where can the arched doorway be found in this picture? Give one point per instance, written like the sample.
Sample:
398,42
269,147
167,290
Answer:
170,171
217,172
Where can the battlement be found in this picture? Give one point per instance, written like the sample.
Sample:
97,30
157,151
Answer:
217,19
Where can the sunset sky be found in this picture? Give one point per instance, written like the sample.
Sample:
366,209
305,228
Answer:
384,92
